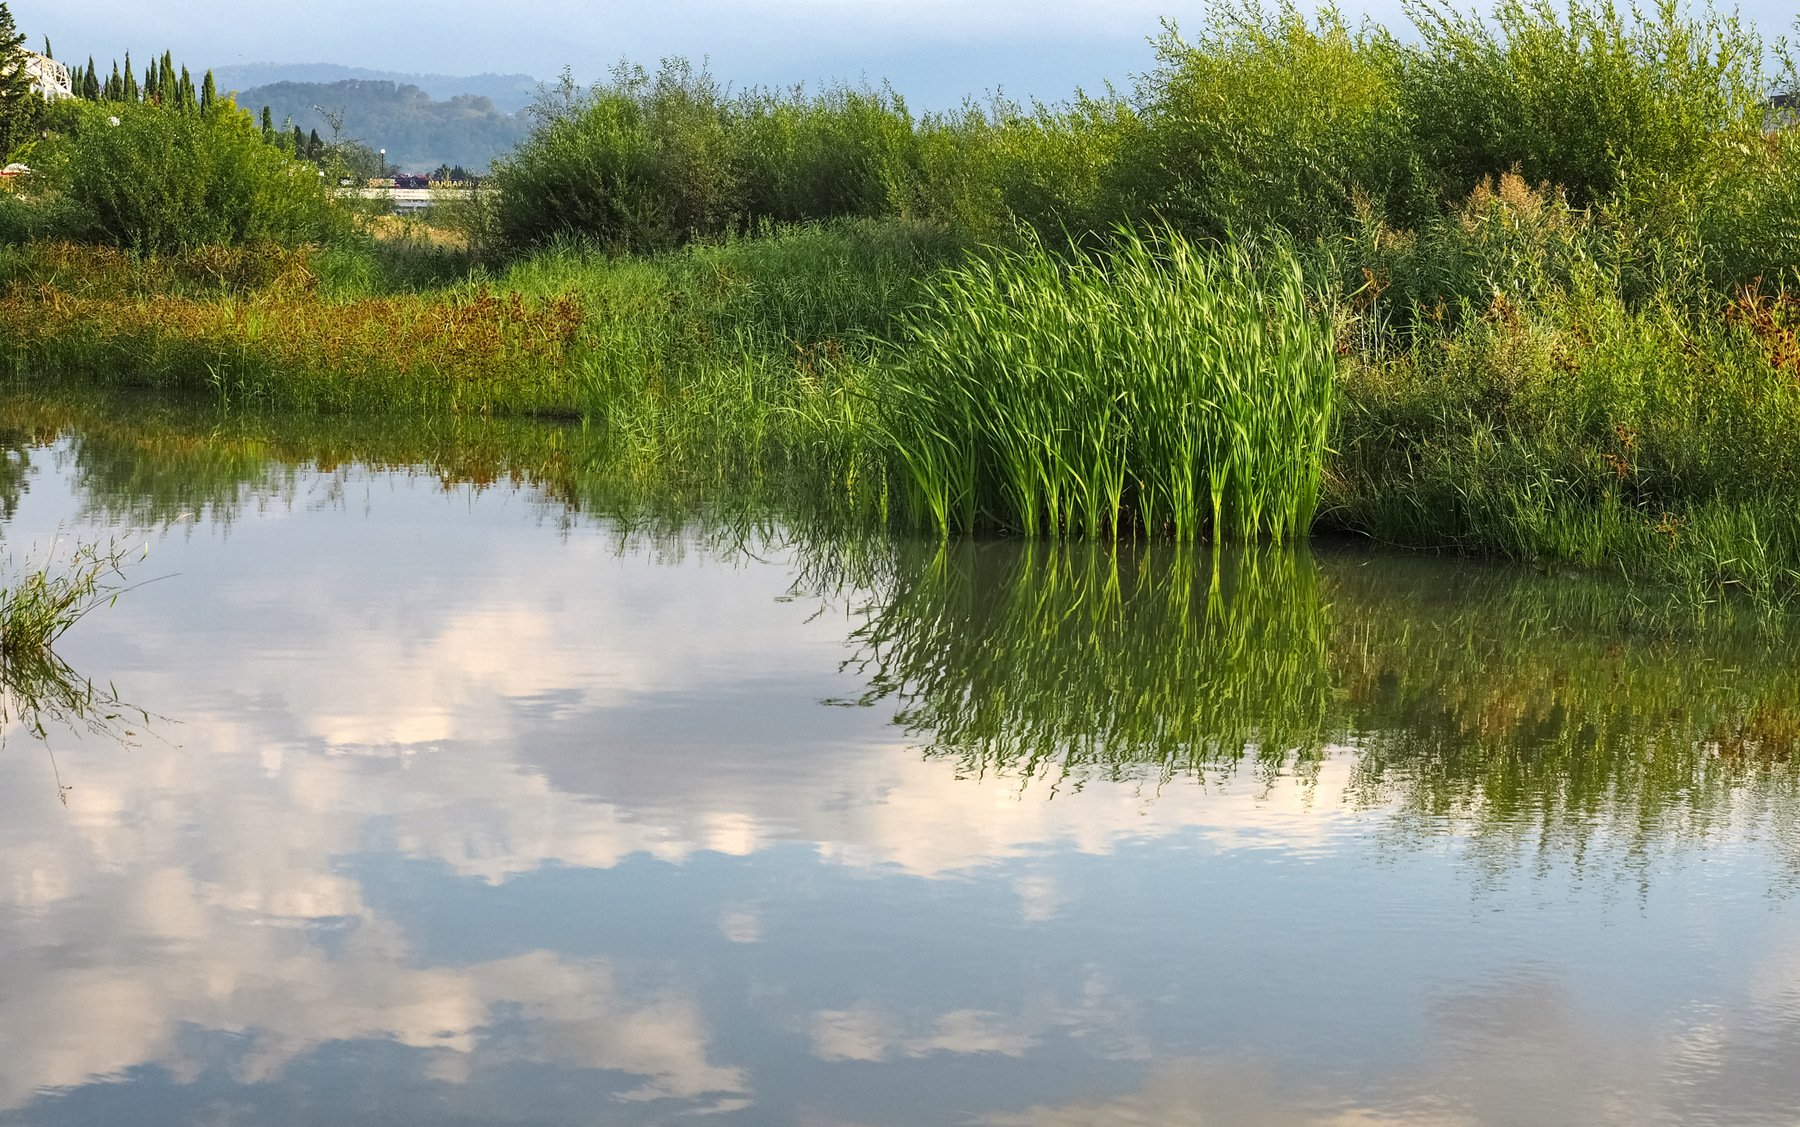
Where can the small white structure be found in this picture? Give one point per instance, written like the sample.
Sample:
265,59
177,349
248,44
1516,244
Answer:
48,77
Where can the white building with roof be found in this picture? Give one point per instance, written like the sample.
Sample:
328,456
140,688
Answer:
48,77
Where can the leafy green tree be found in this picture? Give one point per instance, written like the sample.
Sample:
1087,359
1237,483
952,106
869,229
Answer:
20,105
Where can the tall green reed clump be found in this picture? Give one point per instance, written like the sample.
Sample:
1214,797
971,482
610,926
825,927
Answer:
1156,386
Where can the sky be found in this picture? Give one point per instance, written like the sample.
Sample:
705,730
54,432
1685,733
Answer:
933,51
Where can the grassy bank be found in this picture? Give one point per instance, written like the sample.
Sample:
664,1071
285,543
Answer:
1518,285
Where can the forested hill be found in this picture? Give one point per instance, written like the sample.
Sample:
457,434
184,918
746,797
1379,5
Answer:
418,132
510,92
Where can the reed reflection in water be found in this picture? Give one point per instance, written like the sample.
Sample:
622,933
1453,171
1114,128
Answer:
1493,697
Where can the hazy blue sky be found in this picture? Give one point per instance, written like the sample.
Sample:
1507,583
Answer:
933,50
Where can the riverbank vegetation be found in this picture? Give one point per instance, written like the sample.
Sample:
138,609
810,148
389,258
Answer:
1520,284
1530,708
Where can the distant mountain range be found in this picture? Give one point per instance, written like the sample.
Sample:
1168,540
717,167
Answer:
419,131
510,93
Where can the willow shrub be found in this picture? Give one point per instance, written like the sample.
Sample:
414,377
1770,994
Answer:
161,181
841,154
1263,120
645,162
637,163
1583,96
1154,386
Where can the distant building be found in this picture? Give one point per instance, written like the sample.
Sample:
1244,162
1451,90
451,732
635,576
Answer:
48,77
1781,112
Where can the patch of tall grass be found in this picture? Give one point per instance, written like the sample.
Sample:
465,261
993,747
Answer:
1577,430
1156,387
732,351
474,351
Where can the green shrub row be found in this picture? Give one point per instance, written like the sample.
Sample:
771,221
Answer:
1267,118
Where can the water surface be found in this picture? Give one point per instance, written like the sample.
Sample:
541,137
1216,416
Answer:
478,798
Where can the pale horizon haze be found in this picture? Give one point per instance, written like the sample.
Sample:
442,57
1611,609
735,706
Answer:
933,51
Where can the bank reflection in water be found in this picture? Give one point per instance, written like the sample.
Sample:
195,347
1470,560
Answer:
1485,694
471,813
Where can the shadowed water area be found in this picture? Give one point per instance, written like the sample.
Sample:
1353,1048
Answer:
487,781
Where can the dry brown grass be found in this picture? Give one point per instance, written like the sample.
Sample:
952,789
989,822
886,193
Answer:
470,350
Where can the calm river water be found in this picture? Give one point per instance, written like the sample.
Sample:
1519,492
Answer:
464,802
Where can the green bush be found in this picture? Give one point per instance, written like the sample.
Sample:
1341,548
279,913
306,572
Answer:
1509,241
643,163
1583,97
638,163
161,180
1266,120
843,153
21,219
1058,166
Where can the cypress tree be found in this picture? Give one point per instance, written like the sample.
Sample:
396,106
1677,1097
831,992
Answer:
115,86
90,82
131,86
299,142
19,103
209,93
167,84
48,54
315,148
268,124
188,102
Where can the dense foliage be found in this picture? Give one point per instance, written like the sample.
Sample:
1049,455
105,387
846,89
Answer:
1265,119
153,179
